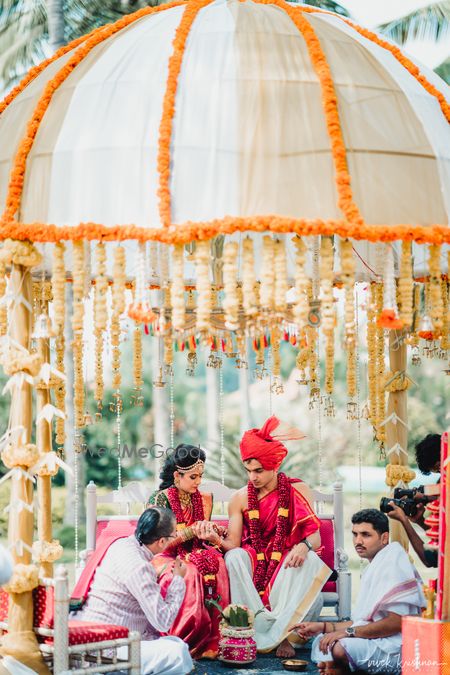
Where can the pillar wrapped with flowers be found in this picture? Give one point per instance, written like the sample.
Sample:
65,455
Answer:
232,163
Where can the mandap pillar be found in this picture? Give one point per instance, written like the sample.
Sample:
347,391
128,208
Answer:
20,642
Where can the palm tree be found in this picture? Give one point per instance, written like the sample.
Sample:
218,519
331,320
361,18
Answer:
329,5
431,22
31,30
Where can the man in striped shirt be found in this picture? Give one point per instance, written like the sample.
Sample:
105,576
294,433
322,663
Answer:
125,592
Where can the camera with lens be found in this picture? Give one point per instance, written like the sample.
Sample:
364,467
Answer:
406,499
409,506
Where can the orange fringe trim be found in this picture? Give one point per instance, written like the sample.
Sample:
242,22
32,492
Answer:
165,128
330,106
397,53
189,231
17,178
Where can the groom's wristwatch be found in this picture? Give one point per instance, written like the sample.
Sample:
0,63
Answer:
307,544
350,631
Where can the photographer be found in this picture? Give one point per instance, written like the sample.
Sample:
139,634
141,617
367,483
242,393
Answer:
428,458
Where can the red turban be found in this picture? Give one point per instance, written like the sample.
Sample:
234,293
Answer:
265,444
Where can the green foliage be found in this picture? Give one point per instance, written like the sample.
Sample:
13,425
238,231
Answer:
443,70
431,22
24,29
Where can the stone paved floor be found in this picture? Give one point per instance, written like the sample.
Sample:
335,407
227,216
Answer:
265,663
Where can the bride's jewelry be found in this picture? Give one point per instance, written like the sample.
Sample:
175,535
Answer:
185,497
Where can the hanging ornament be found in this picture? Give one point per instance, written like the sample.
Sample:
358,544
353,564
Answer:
192,361
203,285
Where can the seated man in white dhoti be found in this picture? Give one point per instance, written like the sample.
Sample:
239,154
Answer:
125,592
390,588
274,533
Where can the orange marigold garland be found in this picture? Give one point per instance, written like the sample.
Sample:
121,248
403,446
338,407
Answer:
189,231
331,110
168,109
3,307
396,52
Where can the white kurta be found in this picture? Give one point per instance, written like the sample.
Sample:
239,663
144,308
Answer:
295,595
390,583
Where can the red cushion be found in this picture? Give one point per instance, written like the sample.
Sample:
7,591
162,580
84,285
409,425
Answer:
4,602
112,527
83,632
327,554
43,606
43,599
330,587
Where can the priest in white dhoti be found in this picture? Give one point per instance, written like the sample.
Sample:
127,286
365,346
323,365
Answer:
272,537
390,588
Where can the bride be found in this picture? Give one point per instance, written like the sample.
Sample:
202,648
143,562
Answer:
199,544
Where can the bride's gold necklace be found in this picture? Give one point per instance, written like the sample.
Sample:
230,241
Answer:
185,497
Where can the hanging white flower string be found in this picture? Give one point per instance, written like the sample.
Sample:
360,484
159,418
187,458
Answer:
389,289
221,428
140,275
119,438
270,365
77,445
358,398
172,408
319,429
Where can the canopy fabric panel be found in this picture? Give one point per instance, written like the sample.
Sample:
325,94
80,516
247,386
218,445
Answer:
249,137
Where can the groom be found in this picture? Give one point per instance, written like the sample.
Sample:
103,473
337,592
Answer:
272,535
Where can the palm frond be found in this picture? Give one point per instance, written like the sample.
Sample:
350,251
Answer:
426,23
443,70
24,29
329,5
